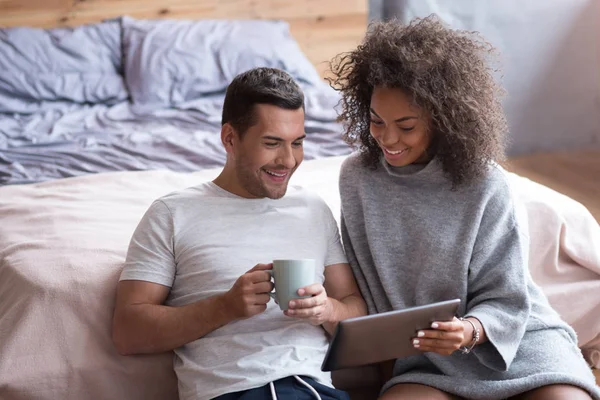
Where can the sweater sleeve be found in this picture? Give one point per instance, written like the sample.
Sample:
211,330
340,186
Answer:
497,283
356,270
351,208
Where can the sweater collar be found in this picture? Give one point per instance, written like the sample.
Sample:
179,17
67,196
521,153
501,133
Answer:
429,171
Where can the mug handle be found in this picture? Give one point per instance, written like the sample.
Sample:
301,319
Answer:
272,294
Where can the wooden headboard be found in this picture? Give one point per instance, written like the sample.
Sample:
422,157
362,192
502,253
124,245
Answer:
323,28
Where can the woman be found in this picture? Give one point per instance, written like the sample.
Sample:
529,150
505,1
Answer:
428,216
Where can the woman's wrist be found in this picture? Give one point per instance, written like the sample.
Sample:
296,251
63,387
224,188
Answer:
472,328
468,336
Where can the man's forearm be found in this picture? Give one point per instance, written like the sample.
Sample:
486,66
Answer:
149,328
348,307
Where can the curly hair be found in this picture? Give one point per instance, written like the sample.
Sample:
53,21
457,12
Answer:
447,74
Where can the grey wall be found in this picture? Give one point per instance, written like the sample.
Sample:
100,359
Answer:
550,61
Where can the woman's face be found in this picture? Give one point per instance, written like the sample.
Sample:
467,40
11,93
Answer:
400,128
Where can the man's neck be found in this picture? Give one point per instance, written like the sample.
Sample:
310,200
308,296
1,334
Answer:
227,180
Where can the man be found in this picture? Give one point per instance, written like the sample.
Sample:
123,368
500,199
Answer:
196,280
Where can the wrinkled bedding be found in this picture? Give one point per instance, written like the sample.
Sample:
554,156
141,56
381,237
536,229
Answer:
129,94
76,140
44,68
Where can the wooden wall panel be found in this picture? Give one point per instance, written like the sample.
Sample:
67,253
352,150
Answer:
323,28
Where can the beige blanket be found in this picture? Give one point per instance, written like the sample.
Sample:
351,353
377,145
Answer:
62,244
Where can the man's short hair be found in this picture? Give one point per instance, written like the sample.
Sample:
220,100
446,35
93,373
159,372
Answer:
259,86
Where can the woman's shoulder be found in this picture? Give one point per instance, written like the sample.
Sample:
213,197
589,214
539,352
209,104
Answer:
354,166
496,193
352,162
351,168
495,182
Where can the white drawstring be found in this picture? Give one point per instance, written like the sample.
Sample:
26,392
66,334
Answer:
273,394
312,389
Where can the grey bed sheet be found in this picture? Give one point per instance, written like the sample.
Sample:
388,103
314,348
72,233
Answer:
74,140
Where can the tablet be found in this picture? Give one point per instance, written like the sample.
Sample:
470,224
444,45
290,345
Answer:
385,336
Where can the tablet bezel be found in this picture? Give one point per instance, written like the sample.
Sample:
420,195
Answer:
363,340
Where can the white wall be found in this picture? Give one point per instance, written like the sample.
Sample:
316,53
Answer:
550,61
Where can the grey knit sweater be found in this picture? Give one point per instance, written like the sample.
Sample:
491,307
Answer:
411,241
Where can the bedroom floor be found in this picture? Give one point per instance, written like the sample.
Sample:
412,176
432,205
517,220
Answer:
575,174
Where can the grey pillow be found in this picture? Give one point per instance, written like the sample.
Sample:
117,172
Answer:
40,67
170,62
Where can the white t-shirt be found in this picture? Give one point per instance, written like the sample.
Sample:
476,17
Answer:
198,242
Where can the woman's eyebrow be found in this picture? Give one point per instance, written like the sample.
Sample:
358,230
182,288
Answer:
397,120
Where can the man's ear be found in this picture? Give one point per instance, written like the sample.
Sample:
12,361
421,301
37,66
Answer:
228,136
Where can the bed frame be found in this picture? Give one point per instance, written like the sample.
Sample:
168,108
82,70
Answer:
323,28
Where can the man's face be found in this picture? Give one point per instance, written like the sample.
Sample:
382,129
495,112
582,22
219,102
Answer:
269,152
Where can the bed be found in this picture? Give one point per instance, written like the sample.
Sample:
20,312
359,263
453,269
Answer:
98,120
131,94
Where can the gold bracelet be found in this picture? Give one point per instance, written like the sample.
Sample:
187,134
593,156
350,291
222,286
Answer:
476,335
